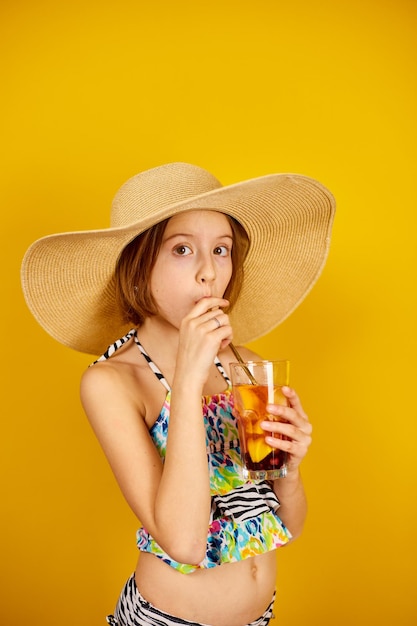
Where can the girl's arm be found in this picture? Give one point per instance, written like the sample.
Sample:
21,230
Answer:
297,429
185,480
293,509
171,499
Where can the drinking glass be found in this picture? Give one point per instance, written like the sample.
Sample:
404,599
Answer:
256,384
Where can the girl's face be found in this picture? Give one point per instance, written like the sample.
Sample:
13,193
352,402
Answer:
194,261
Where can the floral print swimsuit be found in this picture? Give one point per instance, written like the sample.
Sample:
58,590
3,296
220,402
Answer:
243,520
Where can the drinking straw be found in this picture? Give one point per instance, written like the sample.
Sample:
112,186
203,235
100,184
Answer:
245,369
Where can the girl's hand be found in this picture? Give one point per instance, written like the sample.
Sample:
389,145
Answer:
203,333
295,427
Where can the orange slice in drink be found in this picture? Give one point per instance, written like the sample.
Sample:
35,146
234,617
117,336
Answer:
258,448
256,427
250,397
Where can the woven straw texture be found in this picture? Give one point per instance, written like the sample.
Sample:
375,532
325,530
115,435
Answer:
67,278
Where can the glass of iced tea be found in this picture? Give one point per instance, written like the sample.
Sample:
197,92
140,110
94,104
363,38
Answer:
256,384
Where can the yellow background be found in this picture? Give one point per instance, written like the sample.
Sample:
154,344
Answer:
96,91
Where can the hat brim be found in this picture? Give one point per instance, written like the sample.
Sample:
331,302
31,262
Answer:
68,282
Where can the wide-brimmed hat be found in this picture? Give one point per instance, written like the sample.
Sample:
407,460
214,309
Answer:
68,278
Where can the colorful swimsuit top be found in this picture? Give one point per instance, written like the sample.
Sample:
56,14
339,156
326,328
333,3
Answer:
243,520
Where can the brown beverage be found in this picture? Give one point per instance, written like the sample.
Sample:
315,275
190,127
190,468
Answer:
261,460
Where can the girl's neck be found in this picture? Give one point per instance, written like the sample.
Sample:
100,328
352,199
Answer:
159,337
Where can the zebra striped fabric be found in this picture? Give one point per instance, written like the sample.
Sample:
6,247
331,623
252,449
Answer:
132,333
115,346
246,502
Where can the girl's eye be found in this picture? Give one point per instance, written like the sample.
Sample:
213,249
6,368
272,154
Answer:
221,250
182,250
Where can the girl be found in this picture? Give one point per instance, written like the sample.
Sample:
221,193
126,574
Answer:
187,267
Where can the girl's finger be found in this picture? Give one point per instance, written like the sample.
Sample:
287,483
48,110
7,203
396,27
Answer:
205,305
294,400
292,432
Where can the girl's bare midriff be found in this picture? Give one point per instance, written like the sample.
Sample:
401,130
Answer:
232,594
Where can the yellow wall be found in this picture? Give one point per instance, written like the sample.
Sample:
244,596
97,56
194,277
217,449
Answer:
95,91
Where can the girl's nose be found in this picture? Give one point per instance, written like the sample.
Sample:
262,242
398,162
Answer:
206,272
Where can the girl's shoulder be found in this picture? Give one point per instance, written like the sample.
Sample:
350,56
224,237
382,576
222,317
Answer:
123,380
112,378
116,369
115,374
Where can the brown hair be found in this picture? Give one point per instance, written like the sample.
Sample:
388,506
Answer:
136,262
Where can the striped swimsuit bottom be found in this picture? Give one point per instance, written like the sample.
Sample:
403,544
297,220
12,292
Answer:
133,610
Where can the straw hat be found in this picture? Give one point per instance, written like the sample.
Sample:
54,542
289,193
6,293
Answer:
68,282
